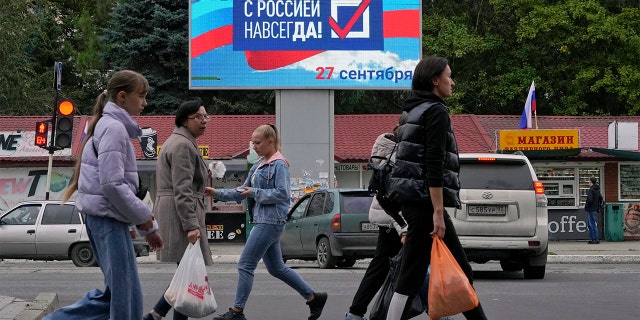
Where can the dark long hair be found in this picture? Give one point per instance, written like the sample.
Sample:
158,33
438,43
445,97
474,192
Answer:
426,70
125,80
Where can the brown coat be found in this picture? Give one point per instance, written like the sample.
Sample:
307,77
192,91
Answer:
181,175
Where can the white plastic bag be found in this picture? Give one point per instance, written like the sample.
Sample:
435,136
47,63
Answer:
189,292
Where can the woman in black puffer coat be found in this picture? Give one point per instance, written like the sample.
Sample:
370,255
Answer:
425,180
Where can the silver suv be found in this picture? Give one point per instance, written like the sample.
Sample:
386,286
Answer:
504,213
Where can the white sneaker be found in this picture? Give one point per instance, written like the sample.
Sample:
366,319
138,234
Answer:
351,316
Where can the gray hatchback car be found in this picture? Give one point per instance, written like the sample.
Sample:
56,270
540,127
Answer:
331,226
50,230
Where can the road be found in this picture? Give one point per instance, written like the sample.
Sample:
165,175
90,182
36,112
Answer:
569,291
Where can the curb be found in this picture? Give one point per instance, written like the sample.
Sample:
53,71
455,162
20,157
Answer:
558,259
42,305
598,259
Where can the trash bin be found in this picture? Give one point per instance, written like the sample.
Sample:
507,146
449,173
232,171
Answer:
614,222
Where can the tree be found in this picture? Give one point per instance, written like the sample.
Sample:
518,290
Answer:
582,55
22,87
151,37
578,52
595,49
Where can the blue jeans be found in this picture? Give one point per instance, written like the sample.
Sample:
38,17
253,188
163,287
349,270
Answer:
162,307
264,243
592,226
122,296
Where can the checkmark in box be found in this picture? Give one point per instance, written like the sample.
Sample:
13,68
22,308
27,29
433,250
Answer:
345,13
350,19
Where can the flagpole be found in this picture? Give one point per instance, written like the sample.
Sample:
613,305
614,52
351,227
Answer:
535,116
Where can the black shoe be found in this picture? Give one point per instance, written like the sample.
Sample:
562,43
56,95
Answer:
317,304
231,315
591,242
147,316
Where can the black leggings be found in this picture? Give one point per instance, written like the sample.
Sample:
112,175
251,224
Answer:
417,252
387,247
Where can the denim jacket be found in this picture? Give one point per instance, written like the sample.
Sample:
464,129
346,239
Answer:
268,200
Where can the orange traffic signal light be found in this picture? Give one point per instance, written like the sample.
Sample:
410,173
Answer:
65,107
64,123
42,132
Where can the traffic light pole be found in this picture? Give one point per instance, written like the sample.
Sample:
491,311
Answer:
52,147
63,139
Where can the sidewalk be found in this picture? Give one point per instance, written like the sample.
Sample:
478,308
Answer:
559,252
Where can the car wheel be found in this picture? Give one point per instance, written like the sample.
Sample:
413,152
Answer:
326,260
346,262
82,255
510,265
534,272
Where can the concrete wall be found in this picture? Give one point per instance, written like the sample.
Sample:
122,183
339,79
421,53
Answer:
305,121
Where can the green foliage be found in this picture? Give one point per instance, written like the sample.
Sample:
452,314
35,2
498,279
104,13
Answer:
25,87
582,55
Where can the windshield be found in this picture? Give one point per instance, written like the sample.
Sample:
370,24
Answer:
495,176
355,202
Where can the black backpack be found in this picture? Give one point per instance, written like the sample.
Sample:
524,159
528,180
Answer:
381,165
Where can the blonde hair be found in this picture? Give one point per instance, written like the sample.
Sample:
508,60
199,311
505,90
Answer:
269,131
125,80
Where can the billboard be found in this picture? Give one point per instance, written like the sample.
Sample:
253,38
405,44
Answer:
303,44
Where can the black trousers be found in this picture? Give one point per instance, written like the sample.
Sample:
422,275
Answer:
387,247
417,252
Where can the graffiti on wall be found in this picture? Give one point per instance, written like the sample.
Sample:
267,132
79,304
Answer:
19,184
632,220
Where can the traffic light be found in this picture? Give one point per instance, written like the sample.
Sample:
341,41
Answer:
64,123
42,131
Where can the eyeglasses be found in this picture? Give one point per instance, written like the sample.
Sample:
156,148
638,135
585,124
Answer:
200,117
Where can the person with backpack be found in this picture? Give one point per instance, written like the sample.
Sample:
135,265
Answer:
592,207
390,233
425,180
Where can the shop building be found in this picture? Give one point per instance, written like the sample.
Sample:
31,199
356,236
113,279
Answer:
565,152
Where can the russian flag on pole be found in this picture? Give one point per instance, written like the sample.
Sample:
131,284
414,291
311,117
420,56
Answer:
529,108
86,129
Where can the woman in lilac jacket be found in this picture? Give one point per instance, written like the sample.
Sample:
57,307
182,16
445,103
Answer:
106,179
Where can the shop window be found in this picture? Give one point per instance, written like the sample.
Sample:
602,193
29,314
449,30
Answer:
559,185
566,187
629,182
583,183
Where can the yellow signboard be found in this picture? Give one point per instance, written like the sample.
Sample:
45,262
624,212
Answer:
204,151
539,139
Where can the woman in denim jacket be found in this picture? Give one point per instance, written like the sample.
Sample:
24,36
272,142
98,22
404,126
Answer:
267,189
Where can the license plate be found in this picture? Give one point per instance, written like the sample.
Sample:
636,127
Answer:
487,210
367,226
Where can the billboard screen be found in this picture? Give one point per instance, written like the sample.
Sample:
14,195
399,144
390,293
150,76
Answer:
303,44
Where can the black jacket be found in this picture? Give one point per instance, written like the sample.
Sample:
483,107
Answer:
427,154
594,199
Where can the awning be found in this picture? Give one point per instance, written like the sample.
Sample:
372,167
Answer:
547,154
624,154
